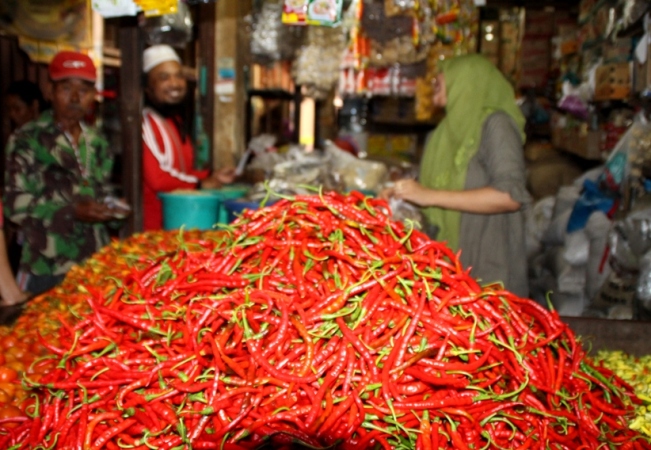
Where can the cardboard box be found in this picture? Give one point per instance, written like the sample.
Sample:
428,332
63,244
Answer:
539,150
400,146
618,51
613,82
578,140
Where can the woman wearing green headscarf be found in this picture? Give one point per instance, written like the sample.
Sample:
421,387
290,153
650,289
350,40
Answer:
472,174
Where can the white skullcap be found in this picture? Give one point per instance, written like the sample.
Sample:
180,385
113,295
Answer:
158,54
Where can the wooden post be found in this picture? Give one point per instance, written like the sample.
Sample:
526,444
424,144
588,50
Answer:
207,62
230,108
131,48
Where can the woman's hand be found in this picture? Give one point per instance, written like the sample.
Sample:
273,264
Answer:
411,191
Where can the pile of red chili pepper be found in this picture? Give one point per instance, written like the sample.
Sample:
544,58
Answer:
318,321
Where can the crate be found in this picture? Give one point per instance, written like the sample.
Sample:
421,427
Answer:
607,334
613,82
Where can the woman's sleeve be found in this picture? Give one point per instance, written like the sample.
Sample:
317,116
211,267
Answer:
503,157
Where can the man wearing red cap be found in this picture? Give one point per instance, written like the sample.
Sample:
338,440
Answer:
57,179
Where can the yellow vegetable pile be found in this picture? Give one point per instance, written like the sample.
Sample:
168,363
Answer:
636,372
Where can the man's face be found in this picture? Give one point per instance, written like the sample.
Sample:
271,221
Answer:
166,84
20,112
72,98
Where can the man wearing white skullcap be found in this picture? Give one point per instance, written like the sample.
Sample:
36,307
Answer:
168,153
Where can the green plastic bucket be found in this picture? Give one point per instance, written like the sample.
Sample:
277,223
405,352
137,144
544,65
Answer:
224,194
192,209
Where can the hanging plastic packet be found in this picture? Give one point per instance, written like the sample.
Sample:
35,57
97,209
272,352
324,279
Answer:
115,8
172,29
312,12
295,12
400,7
324,12
153,8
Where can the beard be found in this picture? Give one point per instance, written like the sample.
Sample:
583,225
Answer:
173,111
167,110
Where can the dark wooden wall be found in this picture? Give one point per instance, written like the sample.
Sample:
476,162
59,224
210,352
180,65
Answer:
15,65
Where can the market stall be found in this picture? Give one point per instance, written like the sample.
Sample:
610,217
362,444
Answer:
299,310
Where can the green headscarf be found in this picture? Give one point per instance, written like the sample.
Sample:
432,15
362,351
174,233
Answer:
475,89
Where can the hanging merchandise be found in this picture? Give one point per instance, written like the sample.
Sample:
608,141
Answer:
456,23
64,22
270,39
171,29
392,38
114,8
295,12
312,12
317,63
324,12
44,28
153,8
401,7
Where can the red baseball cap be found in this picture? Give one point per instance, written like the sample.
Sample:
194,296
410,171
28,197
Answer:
67,64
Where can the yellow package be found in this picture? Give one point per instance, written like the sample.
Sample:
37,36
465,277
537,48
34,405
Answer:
153,8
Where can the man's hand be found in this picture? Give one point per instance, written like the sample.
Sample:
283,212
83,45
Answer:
91,211
219,178
225,175
118,206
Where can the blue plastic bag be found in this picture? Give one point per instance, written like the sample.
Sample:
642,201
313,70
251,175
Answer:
592,199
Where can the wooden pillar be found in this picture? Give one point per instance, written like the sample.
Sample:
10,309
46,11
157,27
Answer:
131,48
230,52
206,68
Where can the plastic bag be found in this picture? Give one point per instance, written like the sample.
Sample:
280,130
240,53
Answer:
537,220
569,279
356,174
171,29
597,271
403,211
628,156
575,100
577,248
592,199
644,281
317,63
557,229
629,240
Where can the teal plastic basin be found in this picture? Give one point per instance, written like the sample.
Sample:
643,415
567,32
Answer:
236,207
225,193
193,210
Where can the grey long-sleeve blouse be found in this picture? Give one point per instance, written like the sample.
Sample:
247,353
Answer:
494,244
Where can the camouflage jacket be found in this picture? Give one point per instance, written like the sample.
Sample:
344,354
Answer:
43,180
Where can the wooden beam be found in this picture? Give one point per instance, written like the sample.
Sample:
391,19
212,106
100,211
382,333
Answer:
131,48
207,65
